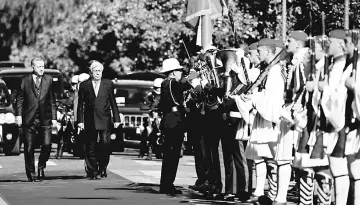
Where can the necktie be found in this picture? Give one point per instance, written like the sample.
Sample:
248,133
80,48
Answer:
37,82
96,87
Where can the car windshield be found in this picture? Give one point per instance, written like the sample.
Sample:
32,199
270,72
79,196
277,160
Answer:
131,95
14,83
11,64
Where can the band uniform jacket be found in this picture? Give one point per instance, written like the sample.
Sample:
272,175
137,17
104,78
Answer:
29,102
172,97
95,111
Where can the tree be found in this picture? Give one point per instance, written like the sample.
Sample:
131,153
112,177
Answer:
129,35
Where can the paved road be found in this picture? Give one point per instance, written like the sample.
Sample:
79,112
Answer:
131,180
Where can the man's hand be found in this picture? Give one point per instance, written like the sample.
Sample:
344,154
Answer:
350,82
54,122
323,84
116,124
18,120
245,97
310,86
81,126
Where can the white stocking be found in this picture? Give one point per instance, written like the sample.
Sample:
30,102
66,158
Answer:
260,169
283,181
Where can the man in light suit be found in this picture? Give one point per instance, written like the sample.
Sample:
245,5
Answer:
36,111
96,101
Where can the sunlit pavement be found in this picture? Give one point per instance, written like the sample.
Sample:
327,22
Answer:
131,180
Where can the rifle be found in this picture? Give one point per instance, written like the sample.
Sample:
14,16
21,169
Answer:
339,149
318,149
311,120
262,75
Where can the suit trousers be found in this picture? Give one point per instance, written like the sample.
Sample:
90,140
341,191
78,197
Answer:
234,154
97,150
213,134
32,133
172,148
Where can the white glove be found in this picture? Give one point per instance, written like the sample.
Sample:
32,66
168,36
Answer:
54,122
18,120
116,124
81,126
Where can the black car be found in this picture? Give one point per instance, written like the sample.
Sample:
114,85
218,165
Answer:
134,112
9,131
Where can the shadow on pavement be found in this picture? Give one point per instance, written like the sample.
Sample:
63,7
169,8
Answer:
65,177
137,187
8,181
89,198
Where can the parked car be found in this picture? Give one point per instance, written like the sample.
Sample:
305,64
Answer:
130,92
134,112
9,131
11,65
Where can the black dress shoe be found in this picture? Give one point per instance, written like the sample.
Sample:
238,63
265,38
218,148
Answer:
194,187
265,200
41,174
32,178
103,174
96,177
171,191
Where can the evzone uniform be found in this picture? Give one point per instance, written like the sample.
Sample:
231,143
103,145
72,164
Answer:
352,146
264,139
333,107
312,170
345,163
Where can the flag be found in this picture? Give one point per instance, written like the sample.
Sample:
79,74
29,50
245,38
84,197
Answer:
199,14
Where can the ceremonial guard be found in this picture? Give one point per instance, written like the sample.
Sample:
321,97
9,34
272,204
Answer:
267,101
311,169
294,86
353,141
332,113
346,150
172,124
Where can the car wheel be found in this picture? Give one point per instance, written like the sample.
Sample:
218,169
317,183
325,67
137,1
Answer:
10,151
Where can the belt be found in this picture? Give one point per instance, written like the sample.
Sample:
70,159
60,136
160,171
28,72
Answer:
235,114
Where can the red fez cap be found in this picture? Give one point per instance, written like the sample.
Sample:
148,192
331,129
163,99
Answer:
299,35
253,46
278,43
266,42
338,34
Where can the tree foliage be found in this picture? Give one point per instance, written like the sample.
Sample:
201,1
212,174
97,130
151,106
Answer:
128,35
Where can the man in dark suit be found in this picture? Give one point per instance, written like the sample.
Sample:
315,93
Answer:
36,111
96,101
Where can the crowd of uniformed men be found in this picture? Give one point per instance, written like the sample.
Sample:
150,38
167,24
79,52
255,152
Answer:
298,114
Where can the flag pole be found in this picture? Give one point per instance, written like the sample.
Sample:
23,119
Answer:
284,20
206,31
346,14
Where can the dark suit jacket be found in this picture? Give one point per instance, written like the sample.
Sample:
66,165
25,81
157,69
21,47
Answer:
28,103
94,111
